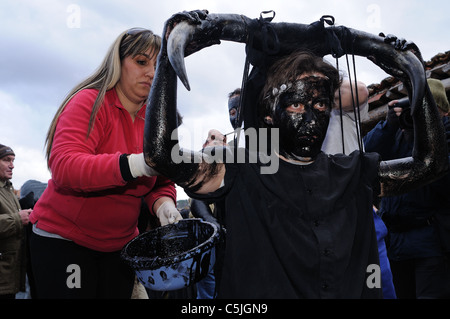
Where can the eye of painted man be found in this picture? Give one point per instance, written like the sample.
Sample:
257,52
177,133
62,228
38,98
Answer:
321,105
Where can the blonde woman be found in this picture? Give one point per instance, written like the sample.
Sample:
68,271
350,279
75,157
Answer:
90,208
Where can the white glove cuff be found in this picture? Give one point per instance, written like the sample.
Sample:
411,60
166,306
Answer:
138,166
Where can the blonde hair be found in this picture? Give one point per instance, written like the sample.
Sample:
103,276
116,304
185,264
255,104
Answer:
129,43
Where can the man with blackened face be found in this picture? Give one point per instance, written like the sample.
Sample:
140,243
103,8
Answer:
304,229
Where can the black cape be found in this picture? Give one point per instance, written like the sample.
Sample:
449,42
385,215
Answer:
302,232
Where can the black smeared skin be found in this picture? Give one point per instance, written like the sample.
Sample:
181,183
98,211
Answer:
429,160
161,121
302,134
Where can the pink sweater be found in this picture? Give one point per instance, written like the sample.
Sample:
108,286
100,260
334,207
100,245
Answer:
87,200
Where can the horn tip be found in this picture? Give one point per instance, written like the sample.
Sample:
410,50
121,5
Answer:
186,84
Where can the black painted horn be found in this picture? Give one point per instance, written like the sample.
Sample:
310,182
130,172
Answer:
179,38
186,39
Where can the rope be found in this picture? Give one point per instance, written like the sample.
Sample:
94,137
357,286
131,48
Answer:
267,32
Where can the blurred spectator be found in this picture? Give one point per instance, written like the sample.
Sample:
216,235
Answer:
12,239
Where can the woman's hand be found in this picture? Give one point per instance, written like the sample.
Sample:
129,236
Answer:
167,213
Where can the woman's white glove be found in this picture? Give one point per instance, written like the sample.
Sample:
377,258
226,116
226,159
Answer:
138,166
168,213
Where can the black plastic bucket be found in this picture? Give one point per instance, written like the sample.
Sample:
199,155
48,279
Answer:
173,256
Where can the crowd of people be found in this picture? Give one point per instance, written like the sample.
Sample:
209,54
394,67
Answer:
309,230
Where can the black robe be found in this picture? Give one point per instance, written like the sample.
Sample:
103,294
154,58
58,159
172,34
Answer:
306,231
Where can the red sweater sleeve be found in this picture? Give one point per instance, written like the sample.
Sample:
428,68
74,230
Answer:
163,188
91,163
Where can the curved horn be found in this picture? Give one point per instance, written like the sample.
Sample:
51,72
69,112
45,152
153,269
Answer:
187,38
179,38
400,64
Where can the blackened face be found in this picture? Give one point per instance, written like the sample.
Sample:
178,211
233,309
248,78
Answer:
302,115
233,106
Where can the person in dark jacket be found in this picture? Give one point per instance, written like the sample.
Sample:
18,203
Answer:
418,221
12,221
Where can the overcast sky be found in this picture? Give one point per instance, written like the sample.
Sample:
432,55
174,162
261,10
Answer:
49,46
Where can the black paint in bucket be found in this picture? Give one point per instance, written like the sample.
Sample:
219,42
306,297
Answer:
173,256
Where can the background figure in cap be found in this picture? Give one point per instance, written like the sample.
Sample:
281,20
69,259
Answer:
439,95
12,221
6,150
418,221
